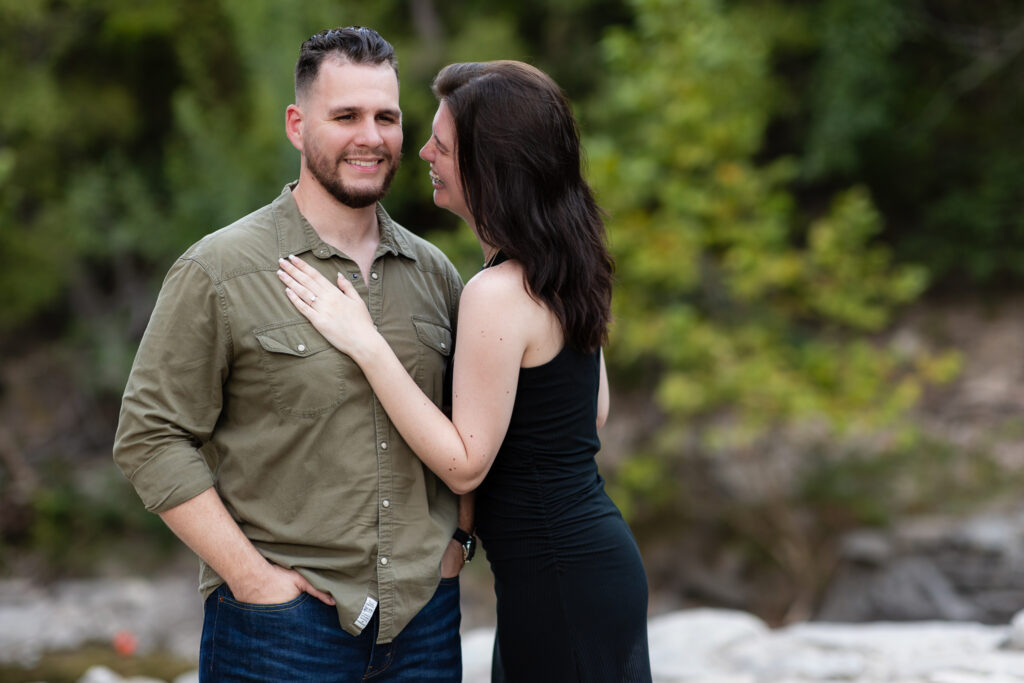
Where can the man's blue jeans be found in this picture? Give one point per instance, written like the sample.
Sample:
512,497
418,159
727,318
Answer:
301,640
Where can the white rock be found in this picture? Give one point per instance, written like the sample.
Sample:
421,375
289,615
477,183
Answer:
687,645
165,614
101,674
477,648
1015,637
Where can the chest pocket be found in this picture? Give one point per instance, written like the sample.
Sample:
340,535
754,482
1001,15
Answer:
305,374
433,355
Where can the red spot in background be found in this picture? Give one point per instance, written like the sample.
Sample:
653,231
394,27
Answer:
125,643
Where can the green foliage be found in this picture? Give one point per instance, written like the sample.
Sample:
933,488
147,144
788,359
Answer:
640,487
852,84
757,322
74,523
924,476
739,302
919,102
130,130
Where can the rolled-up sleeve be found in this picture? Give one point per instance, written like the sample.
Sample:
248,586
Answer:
175,391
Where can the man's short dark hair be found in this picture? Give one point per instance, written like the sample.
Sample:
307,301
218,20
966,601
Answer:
353,44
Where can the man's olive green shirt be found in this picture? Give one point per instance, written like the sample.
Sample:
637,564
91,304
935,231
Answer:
233,388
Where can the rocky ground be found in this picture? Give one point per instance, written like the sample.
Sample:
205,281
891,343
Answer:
692,646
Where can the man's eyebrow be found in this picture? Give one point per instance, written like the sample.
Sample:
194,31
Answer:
338,111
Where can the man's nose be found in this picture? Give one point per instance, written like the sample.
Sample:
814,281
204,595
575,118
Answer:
369,134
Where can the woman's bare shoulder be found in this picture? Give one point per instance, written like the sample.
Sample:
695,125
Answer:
504,281
497,297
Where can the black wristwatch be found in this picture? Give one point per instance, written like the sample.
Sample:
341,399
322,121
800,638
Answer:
468,542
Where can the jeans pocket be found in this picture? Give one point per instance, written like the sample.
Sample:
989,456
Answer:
297,640
227,599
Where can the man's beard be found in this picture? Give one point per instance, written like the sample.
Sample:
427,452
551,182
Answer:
327,175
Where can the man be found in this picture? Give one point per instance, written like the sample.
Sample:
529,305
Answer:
327,548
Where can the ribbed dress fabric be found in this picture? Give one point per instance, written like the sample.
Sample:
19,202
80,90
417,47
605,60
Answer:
570,585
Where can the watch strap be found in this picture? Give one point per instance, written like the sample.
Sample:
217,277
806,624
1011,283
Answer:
467,541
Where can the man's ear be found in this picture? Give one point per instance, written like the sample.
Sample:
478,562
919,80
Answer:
293,125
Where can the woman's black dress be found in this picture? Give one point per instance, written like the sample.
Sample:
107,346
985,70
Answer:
570,586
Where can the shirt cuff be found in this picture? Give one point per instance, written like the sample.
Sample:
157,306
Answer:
171,478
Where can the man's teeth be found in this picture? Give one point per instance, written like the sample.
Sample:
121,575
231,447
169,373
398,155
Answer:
357,162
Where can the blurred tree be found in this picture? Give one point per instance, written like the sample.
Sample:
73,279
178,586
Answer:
750,323
919,101
128,130
740,301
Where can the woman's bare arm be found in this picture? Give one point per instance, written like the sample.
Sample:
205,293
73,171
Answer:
492,337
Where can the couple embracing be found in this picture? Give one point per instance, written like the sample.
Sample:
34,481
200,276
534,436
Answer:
329,419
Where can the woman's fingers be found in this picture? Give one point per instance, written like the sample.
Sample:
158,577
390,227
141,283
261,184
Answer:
305,294
309,285
304,274
308,276
302,266
297,301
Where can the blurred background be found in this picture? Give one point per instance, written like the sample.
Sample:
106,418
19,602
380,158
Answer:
816,210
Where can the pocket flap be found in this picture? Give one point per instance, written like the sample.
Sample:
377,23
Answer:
294,339
433,334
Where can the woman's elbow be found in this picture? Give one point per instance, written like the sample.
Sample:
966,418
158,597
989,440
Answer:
464,482
460,489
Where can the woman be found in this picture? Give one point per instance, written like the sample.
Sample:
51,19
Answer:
529,387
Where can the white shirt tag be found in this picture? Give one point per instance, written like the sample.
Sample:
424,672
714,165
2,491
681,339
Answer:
368,608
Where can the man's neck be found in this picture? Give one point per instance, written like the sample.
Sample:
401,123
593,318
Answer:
354,232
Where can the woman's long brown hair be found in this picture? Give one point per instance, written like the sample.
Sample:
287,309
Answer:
518,150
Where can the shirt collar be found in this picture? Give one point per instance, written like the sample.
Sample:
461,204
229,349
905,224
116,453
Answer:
392,237
295,235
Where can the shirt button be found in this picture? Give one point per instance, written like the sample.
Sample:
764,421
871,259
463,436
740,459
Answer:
443,345
384,561
355,276
301,348
323,252
373,275
385,503
383,445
